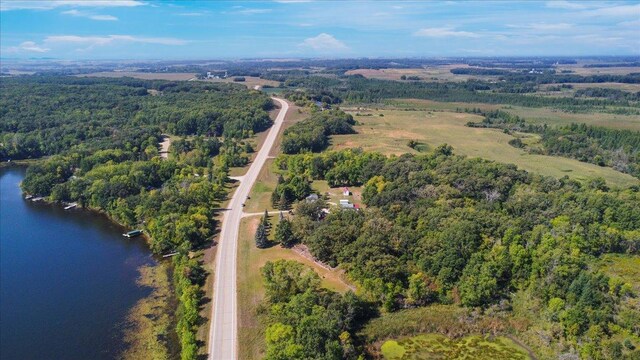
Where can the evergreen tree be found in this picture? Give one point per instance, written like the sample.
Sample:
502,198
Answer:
283,203
261,236
265,219
284,233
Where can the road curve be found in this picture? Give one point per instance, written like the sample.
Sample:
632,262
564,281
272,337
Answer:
223,338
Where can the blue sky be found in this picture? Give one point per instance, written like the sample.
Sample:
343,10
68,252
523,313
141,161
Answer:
131,29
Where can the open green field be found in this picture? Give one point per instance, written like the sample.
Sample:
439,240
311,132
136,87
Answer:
251,290
533,115
260,195
436,346
390,133
427,73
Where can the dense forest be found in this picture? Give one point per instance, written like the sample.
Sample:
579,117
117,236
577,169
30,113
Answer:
312,134
103,136
440,228
47,115
305,320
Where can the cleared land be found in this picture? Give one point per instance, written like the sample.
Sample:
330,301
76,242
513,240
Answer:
390,133
250,81
532,115
429,73
251,290
435,346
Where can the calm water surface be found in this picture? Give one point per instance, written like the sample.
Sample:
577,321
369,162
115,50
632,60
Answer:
67,279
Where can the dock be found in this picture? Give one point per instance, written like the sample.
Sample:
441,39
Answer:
133,233
71,206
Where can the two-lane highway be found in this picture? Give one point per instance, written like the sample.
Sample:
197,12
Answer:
223,332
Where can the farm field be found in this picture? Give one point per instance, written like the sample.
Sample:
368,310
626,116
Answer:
533,115
441,73
251,289
390,133
436,346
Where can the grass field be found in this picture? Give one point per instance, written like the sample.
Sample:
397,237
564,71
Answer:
428,73
533,115
251,290
435,346
390,133
624,267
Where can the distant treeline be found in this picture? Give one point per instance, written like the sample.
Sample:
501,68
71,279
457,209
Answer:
616,148
611,94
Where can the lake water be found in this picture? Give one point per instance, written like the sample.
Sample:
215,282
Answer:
67,279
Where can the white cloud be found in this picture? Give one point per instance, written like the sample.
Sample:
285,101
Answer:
548,27
252,11
615,11
324,42
633,23
28,46
111,39
52,4
444,32
566,5
543,26
190,14
97,17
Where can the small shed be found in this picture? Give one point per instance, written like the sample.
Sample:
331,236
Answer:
312,198
345,191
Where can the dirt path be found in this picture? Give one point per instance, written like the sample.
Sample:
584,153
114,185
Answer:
164,146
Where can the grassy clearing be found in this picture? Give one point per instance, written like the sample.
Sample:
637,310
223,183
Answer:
334,195
547,116
150,326
625,267
442,321
390,133
250,81
435,346
250,288
260,195
427,73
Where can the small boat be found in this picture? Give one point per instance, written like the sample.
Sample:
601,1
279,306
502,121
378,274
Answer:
39,198
28,197
70,206
133,233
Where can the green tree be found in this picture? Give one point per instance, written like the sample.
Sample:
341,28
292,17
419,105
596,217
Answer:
284,233
261,236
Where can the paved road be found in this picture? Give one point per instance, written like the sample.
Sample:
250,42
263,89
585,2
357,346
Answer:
223,338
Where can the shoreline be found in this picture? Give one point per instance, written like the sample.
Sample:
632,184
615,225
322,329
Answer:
150,322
